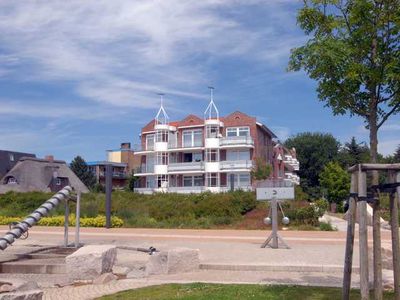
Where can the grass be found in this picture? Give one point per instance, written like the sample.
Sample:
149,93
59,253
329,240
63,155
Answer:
200,291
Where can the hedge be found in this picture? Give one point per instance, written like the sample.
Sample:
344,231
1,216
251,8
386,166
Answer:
99,221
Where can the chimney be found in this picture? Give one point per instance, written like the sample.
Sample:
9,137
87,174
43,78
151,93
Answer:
125,145
50,158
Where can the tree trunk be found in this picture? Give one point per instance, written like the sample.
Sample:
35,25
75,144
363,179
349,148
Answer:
373,138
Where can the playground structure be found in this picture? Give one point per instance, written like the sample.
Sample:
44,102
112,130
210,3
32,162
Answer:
20,229
358,205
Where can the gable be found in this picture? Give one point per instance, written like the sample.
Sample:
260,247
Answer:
191,120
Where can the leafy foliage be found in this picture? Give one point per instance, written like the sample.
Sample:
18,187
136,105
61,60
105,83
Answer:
314,151
80,168
335,181
132,179
354,55
353,153
261,170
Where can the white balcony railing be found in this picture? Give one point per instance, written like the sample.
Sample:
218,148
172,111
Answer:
237,140
145,169
144,190
186,189
189,166
236,164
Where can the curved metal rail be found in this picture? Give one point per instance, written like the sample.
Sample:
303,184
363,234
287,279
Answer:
34,217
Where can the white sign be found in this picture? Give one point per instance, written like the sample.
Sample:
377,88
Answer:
280,193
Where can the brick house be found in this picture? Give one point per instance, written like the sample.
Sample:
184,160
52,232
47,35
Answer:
214,153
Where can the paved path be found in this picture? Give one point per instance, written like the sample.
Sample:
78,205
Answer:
235,251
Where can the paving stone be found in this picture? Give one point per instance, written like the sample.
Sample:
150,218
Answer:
105,278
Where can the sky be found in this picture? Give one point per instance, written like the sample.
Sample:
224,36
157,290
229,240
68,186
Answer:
80,77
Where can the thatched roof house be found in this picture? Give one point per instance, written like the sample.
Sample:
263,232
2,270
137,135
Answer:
46,175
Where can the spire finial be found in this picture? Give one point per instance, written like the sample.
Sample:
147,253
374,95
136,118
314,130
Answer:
162,116
211,111
211,88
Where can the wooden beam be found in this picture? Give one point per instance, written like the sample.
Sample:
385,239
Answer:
394,225
351,220
363,234
376,167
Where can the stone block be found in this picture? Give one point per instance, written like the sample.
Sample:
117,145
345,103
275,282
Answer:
137,272
177,260
182,260
121,271
157,264
25,295
90,262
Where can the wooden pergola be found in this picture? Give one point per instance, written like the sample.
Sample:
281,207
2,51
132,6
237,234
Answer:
358,203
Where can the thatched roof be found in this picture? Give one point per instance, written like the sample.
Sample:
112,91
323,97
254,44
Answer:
34,174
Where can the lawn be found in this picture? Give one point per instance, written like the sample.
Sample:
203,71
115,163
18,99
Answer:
200,291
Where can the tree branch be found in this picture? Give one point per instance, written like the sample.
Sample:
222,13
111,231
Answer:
388,114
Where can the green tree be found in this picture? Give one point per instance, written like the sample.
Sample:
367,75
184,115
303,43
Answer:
314,151
81,169
354,54
353,153
336,182
261,170
396,155
131,181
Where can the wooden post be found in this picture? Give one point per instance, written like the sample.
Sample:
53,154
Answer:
351,219
363,234
377,249
394,225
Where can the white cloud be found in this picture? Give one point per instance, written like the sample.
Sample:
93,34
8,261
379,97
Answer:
122,52
387,147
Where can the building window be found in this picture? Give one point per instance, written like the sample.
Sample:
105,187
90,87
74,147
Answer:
11,156
162,181
239,179
162,158
150,142
198,181
162,136
238,131
192,157
212,131
192,138
58,181
11,180
212,179
212,155
187,180
238,155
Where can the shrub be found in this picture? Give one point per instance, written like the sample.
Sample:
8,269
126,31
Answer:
99,221
326,226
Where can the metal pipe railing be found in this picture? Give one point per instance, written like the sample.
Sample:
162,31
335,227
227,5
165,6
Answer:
34,217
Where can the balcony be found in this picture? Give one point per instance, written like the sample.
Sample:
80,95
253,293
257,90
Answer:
188,166
186,189
293,162
144,190
237,141
144,169
120,175
236,164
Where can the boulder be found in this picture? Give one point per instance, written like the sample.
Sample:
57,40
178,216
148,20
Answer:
5,288
25,295
105,278
89,262
177,260
120,271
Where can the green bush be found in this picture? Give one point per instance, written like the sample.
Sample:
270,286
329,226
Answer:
305,213
324,226
99,221
160,210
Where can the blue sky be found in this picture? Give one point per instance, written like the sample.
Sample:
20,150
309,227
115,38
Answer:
79,77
